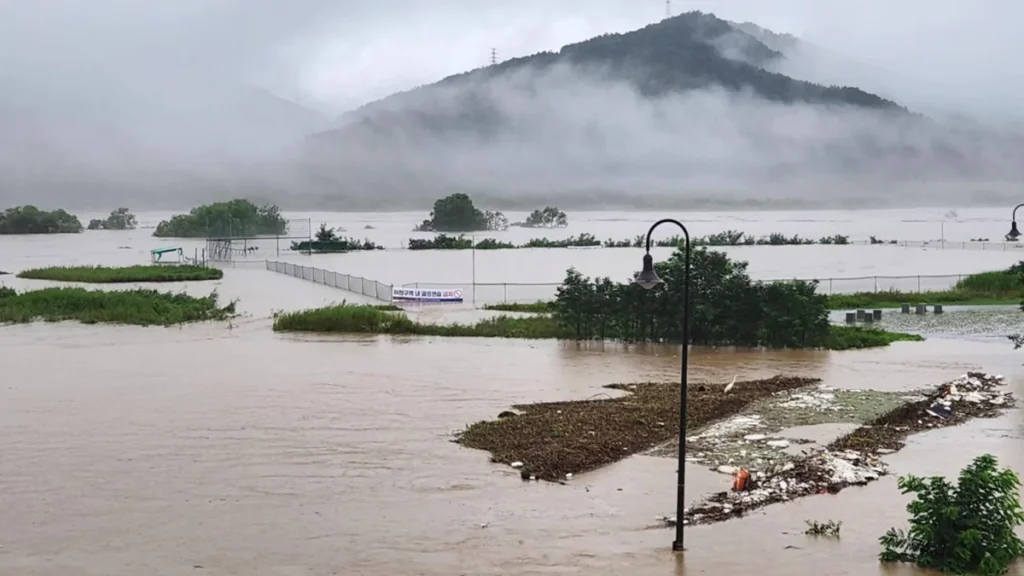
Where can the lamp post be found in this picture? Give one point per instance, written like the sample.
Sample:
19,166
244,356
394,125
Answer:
1014,233
648,279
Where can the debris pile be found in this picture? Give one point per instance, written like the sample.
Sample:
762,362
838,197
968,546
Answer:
854,459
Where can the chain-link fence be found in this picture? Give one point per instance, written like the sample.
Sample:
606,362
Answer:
357,284
230,241
946,245
489,293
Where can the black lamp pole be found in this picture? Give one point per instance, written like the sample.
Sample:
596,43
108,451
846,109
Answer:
1014,233
648,279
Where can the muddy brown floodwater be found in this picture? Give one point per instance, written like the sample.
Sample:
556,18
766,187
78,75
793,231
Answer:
228,450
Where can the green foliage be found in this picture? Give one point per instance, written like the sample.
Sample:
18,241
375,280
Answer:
726,306
335,245
857,337
232,219
999,287
441,242
829,528
119,219
967,527
539,307
549,217
106,274
456,213
834,239
138,307
583,240
32,220
325,234
344,318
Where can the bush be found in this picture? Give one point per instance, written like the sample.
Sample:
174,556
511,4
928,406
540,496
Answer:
32,220
456,213
961,528
233,219
549,217
105,274
119,219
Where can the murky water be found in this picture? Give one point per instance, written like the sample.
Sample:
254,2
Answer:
128,451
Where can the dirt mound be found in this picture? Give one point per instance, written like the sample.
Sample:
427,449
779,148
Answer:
557,438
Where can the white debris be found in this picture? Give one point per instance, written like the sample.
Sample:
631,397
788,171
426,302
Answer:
754,437
568,475
817,400
727,469
730,426
516,464
778,443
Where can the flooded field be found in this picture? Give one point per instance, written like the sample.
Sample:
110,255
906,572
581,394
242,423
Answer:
226,449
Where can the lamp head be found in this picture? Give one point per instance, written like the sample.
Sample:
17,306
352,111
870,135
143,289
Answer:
1014,233
647,278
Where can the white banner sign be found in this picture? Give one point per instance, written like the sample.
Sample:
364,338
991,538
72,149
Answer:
426,295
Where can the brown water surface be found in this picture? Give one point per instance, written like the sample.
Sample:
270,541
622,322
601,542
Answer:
225,449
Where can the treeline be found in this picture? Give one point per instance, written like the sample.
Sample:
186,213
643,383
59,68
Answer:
727,307
727,238
327,240
31,220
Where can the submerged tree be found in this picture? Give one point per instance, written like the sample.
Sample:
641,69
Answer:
726,306
119,219
456,213
549,217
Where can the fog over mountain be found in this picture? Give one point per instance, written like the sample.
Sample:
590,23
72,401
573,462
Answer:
165,105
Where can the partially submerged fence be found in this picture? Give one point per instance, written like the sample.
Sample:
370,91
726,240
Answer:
493,292
356,284
230,243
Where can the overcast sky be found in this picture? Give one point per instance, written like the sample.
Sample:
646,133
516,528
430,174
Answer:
342,53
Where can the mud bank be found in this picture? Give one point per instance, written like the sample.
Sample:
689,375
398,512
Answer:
753,447
550,440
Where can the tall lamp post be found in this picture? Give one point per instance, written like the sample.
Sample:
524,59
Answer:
1014,233
648,279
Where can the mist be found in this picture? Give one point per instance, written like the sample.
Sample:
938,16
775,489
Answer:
120,102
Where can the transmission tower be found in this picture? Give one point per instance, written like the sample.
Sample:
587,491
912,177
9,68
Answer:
668,8
494,56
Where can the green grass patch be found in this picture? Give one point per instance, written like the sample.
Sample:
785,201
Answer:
538,307
359,319
355,319
137,307
984,289
113,275
856,337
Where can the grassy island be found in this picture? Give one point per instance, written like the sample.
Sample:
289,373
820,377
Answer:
113,275
136,307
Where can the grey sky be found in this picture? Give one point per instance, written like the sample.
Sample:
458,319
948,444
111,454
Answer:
345,53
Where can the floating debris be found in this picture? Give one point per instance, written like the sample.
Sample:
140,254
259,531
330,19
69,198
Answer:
854,459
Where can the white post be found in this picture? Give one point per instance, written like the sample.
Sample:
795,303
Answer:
473,250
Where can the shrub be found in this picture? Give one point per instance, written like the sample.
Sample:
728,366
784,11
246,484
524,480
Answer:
232,219
119,219
967,527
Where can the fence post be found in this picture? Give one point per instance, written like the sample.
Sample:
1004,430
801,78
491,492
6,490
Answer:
919,283
504,292
876,283
829,285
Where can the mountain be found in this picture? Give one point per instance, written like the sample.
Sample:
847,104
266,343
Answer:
690,106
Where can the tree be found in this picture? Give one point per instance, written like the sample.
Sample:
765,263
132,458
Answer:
549,217
232,219
32,220
456,213
119,219
726,307
325,234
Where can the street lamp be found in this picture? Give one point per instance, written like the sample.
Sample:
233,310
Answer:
648,279
1014,233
